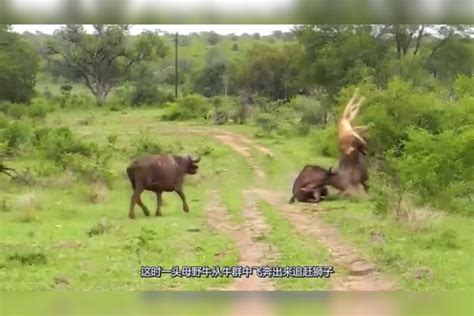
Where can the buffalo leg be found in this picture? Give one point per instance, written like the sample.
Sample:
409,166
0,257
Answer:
366,187
134,200
158,204
143,206
183,199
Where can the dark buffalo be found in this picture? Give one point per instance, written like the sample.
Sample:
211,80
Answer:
310,185
351,172
159,173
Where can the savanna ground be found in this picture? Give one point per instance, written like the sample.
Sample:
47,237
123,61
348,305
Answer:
70,234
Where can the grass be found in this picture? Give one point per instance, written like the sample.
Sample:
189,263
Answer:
294,250
421,250
423,260
64,232
110,259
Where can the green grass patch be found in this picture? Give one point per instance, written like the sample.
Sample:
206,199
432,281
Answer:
295,250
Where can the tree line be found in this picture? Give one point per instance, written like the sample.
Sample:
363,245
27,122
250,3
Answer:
278,67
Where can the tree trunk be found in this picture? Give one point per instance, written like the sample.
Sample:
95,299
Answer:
101,95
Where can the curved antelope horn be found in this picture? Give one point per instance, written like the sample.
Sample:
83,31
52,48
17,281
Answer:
355,109
195,159
350,104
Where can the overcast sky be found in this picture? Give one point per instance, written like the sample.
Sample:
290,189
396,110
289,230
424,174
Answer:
263,29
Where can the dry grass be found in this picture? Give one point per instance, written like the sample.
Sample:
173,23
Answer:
97,192
64,180
418,218
27,204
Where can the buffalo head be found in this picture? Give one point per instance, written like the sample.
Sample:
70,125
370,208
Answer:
192,164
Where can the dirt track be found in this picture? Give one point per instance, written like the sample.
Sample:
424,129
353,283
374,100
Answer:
363,274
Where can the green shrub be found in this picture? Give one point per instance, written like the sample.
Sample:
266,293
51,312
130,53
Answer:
311,111
458,114
4,121
439,168
324,141
38,109
77,101
134,94
190,107
122,96
145,145
4,106
392,111
225,108
17,111
56,143
267,123
16,134
174,147
94,168
463,86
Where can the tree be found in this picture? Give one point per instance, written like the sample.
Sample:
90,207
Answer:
211,80
268,70
452,53
213,38
277,34
406,36
455,57
18,67
104,58
338,55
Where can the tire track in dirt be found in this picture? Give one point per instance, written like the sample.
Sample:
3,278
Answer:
237,145
363,274
247,237
252,252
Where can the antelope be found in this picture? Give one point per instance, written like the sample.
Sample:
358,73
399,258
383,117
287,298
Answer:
349,137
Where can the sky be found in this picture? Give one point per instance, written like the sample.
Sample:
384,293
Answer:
223,29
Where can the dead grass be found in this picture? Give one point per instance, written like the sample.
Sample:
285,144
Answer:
418,218
64,180
27,205
97,192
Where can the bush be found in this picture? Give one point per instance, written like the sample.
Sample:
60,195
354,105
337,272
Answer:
267,123
225,108
148,95
144,145
77,101
463,86
439,168
4,121
94,168
311,111
392,111
190,107
422,142
57,143
38,109
15,135
324,141
4,106
17,111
